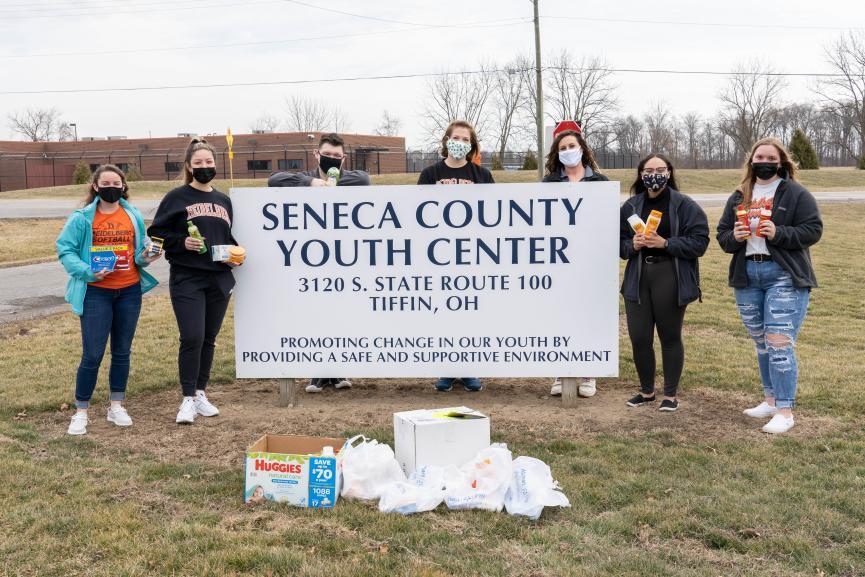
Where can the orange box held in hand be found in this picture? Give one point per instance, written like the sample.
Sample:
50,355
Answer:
653,222
742,217
765,214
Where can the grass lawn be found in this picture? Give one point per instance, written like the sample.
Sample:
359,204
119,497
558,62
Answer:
697,493
28,240
691,181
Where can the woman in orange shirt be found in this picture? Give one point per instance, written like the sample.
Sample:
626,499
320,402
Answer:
102,247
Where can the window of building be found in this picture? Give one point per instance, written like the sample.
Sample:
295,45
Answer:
290,164
258,165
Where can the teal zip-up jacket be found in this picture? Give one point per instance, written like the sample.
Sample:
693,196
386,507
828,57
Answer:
73,248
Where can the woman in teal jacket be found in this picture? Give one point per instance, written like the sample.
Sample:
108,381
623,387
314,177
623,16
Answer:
103,248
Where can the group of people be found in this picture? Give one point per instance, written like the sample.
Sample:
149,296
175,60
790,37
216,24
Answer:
768,225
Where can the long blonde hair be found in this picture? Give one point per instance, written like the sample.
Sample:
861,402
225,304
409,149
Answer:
195,145
746,187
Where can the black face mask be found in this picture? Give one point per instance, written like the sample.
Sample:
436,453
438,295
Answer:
325,163
109,193
655,182
204,174
765,170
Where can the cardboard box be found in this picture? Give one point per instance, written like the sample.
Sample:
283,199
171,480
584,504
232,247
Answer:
451,436
290,469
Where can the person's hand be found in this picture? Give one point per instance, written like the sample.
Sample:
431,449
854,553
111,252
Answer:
767,229
741,232
656,241
101,274
192,244
318,182
639,241
150,258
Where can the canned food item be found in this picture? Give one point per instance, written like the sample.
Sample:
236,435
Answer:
236,255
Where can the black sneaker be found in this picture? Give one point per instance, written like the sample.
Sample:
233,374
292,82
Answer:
640,400
669,405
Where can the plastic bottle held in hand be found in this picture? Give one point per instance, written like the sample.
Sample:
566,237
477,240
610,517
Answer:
742,218
653,222
765,214
195,233
332,176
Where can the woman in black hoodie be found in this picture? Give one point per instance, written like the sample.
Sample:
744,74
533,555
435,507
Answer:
771,270
662,275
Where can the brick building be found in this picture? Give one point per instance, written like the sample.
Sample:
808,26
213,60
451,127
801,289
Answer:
38,164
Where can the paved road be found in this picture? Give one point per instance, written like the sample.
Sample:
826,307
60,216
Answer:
40,208
36,290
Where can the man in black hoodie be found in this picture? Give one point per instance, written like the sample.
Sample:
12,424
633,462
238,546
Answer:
330,154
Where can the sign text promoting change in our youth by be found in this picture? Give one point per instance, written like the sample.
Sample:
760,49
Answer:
398,281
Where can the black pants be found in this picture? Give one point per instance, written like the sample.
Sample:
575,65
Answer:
199,299
658,307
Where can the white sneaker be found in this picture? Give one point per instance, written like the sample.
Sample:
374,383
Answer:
587,388
779,424
204,407
119,417
342,384
78,426
762,411
556,391
187,413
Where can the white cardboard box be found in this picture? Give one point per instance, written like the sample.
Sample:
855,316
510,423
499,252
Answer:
450,436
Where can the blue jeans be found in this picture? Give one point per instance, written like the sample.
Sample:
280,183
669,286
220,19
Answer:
107,312
773,311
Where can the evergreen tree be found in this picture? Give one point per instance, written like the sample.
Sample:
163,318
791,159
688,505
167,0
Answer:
803,152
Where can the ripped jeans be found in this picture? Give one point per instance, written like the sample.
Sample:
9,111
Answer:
773,310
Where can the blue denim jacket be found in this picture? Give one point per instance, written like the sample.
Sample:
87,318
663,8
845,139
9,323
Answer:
73,249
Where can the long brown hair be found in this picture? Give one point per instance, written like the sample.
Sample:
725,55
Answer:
94,178
194,146
554,165
476,145
787,170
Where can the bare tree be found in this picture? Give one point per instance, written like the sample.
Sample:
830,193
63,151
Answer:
750,104
267,122
458,96
339,120
691,133
509,95
38,124
307,115
629,135
581,90
660,130
389,125
846,92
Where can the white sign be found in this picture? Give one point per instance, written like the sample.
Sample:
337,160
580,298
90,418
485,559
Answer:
491,280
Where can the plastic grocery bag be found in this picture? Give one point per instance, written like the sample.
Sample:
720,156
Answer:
368,468
532,488
424,491
482,482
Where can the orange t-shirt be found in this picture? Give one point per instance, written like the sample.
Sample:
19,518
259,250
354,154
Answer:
114,233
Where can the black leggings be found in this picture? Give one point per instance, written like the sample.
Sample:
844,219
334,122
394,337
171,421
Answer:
199,299
658,307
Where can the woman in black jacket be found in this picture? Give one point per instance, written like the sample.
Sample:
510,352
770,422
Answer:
771,270
662,275
571,160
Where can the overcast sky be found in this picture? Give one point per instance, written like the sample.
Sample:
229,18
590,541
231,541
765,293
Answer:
146,43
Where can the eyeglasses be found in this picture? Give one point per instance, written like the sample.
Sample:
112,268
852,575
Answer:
650,171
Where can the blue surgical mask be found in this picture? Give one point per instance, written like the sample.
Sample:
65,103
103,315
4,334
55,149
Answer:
458,149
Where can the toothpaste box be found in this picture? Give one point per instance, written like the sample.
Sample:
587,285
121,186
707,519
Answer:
293,469
102,258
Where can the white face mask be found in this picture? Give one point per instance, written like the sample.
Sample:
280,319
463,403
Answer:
571,156
458,149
